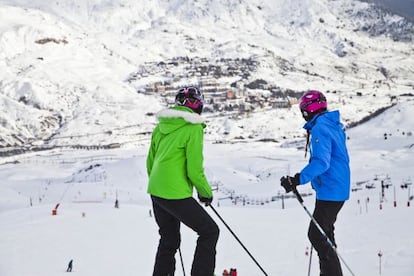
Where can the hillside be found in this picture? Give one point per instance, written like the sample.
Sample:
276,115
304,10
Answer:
73,74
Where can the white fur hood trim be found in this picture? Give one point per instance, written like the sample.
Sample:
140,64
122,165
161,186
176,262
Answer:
193,118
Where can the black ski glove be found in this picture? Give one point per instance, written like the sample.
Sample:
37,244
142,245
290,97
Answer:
206,200
290,182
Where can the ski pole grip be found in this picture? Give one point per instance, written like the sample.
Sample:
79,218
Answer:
298,196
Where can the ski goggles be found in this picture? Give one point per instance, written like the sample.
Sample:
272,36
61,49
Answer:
189,95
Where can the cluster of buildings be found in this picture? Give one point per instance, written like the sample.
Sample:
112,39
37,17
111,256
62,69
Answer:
226,84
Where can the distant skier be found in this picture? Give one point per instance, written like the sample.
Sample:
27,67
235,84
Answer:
116,203
175,166
328,171
70,265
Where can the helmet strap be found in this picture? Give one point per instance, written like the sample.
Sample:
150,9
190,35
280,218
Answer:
307,142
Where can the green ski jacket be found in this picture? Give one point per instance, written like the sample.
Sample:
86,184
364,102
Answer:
175,158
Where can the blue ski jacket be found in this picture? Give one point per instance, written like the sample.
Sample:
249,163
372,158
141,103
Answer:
328,167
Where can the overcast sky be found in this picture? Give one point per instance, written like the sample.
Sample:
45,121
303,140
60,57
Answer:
402,7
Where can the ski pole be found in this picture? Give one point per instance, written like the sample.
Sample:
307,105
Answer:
181,259
234,235
310,261
300,199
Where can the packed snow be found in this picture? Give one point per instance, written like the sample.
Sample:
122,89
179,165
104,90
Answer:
104,240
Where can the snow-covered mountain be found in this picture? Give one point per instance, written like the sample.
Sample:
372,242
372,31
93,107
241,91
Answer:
80,73
66,66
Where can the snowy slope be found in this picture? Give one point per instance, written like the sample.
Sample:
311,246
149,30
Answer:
64,64
105,241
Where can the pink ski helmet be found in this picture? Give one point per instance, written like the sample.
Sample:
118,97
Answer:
311,103
190,97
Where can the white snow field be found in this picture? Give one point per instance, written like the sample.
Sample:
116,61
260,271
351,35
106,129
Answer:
103,240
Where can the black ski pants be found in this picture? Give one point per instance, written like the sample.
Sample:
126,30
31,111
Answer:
168,215
325,214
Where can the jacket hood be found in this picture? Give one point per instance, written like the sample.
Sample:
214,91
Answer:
176,117
331,118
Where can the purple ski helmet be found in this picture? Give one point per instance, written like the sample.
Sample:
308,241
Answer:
311,103
190,97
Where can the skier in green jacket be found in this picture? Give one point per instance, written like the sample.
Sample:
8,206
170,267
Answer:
175,167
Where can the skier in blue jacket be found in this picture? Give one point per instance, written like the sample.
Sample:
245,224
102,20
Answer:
329,173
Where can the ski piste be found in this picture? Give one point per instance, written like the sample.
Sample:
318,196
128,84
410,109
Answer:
234,235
